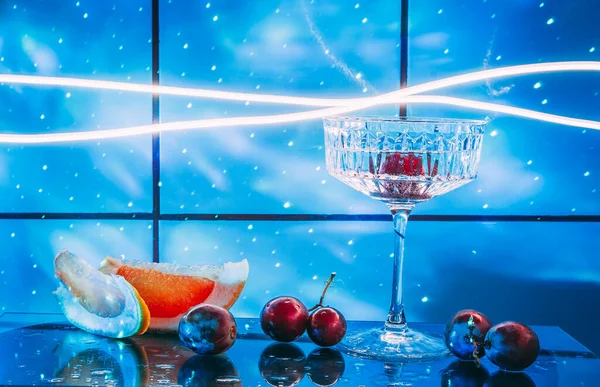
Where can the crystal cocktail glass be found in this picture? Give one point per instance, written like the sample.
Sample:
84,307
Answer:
401,161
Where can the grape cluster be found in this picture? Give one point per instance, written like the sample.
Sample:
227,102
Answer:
286,318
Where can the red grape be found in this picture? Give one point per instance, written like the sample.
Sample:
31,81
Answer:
326,326
284,319
512,346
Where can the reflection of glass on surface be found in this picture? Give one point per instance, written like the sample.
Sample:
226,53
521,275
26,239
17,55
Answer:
402,162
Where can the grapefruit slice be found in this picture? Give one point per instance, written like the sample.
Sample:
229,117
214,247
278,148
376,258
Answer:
102,304
170,290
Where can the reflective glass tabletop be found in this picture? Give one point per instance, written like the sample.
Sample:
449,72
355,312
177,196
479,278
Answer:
41,349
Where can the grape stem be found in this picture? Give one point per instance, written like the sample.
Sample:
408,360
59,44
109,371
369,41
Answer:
331,277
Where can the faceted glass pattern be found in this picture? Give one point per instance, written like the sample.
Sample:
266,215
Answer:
403,159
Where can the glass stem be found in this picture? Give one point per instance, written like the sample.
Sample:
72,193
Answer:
400,212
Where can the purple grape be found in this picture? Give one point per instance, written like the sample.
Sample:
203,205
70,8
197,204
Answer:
465,331
208,329
512,346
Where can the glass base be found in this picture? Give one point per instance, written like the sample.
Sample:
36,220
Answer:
396,345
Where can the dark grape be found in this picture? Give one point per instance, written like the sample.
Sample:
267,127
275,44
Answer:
205,371
512,346
326,326
284,319
282,364
208,329
325,366
464,374
465,331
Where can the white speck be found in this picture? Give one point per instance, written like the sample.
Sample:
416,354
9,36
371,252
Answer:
12,235
45,167
494,133
550,21
213,68
120,47
251,135
537,85
77,4
364,90
586,174
350,242
446,51
541,5
277,10
529,162
33,292
42,117
277,264
286,205
250,227
440,11
424,299
573,209
310,230
536,178
485,206
130,204
140,10
215,18
358,76
592,49
284,45
544,102
474,252
207,5
318,168
185,46
40,190
85,15
323,181
365,20
291,143
254,239
149,226
121,228
184,151
185,248
247,103
189,105
499,57
220,80
35,265
68,95
60,40
314,277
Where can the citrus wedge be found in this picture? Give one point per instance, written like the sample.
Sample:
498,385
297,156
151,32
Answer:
102,304
170,290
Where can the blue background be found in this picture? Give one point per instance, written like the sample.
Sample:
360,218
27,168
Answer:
538,273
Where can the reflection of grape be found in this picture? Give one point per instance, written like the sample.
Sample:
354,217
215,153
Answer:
511,379
464,374
325,366
282,365
203,370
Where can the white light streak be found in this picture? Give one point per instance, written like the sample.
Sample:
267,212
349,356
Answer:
337,106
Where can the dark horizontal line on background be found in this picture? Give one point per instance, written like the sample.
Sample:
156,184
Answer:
292,217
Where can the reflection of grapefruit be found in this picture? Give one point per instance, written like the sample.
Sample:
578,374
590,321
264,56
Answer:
170,290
